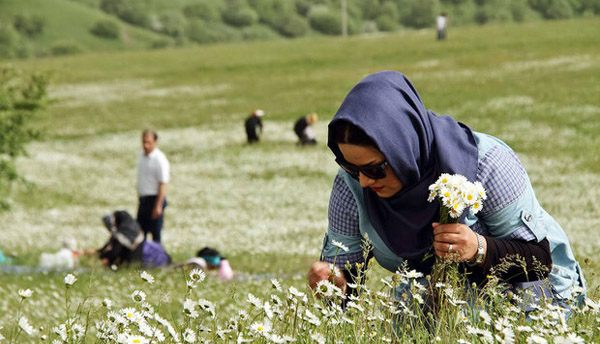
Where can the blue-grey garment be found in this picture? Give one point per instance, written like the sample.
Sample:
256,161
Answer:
511,211
418,146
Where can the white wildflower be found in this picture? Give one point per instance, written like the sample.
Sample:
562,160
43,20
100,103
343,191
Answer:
107,303
189,308
413,274
138,296
197,275
487,319
276,284
261,328
25,293
70,279
317,337
189,336
255,301
311,318
535,339
339,245
24,325
147,277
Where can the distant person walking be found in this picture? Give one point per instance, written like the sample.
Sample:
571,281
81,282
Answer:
254,126
152,179
304,131
441,23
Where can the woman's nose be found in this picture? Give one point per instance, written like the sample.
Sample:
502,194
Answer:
364,180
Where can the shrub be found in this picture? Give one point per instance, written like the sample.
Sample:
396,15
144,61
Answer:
258,32
269,11
325,20
65,48
493,11
9,41
106,29
385,23
202,32
132,11
420,14
239,15
292,26
558,9
172,24
302,7
160,44
31,26
207,10
20,97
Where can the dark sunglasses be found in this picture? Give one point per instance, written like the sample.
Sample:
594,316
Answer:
373,171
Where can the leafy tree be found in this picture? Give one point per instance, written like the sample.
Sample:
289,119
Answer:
204,32
420,13
21,96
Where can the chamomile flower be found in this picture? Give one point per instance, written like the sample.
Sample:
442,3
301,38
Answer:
138,296
325,288
147,277
197,275
107,303
339,245
25,293
189,308
137,339
317,337
413,274
276,284
261,328
70,279
255,301
24,325
189,336
535,339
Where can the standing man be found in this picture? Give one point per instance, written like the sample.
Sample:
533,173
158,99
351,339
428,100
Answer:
441,22
152,180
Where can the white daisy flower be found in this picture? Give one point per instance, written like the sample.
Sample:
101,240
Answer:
189,336
189,308
70,279
317,337
276,284
535,339
107,303
325,288
339,245
136,339
24,325
147,277
25,293
487,319
138,296
311,318
255,301
261,328
197,275
413,274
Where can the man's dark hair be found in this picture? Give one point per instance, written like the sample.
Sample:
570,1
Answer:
148,131
346,132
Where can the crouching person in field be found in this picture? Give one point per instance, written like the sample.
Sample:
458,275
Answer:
127,244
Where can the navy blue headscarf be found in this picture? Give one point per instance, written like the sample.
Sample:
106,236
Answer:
418,145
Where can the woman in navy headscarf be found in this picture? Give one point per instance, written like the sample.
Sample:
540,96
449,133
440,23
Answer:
390,149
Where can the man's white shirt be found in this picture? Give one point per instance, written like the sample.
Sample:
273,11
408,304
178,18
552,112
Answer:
153,169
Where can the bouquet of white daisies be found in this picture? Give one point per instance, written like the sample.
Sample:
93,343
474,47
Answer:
456,194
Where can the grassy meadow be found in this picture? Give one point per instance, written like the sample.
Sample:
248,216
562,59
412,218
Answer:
536,86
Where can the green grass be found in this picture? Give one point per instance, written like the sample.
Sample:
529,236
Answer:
534,85
69,21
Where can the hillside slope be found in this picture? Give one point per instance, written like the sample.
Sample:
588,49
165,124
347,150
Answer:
70,22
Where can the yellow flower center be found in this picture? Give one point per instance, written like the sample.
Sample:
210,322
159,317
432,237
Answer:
260,328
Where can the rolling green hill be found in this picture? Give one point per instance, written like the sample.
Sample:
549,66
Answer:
69,23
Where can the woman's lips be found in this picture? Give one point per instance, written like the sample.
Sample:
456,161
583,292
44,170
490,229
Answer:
376,189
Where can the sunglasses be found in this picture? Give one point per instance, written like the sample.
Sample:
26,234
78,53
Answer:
373,171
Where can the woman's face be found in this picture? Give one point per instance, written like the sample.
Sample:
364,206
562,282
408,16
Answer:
368,156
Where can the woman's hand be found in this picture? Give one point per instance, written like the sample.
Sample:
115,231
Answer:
321,271
455,241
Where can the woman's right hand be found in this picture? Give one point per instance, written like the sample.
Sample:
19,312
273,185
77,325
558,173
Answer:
320,271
